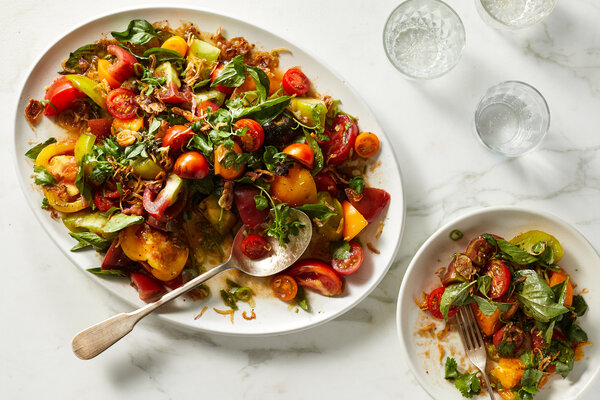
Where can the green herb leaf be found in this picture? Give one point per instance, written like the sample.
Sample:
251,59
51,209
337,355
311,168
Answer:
579,305
86,51
485,305
139,31
536,297
565,357
261,202
108,272
121,221
491,240
455,295
201,143
263,112
301,299
484,283
515,253
233,74
35,150
83,186
319,160
468,385
318,211
357,184
85,239
530,380
577,334
42,177
451,370
165,55
261,81
273,158
339,250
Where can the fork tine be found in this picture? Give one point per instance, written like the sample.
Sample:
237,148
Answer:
473,328
462,325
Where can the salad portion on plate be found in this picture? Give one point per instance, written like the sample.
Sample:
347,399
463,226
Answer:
174,138
525,306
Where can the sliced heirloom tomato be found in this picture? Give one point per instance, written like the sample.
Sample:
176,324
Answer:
371,202
302,153
115,74
245,204
255,247
148,288
61,94
156,204
121,104
104,202
295,82
316,275
433,303
115,258
254,136
325,183
342,140
500,274
191,165
284,287
350,264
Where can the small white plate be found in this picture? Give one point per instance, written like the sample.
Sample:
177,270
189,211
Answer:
580,260
272,315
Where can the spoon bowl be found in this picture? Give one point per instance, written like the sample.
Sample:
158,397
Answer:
97,338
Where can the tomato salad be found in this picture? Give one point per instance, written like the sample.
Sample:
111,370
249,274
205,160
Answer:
524,305
178,137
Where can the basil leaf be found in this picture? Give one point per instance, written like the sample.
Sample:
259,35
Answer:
86,51
42,177
139,31
339,250
455,295
491,240
263,112
516,254
83,186
301,299
319,160
565,357
536,297
261,81
357,184
85,239
121,221
233,74
577,334
35,150
530,380
108,272
165,55
579,305
485,305
484,283
560,291
318,211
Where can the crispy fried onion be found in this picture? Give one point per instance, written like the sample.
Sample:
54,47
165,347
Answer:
225,312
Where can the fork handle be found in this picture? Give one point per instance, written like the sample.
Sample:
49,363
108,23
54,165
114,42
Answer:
487,384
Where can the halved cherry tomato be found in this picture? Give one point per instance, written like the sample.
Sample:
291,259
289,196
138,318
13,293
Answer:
123,68
172,95
509,340
121,104
372,202
191,165
202,108
104,203
342,139
500,275
62,94
177,137
255,247
148,288
295,82
366,145
100,127
433,303
302,153
316,275
132,124
351,264
223,89
284,287
325,183
176,43
254,137
103,75
243,197
227,173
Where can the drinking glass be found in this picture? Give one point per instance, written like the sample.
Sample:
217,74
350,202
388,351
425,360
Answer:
514,14
512,118
423,39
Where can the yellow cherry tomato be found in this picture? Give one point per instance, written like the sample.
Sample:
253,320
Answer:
354,222
231,172
176,43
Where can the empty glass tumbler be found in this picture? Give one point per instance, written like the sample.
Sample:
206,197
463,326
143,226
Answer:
514,14
424,39
512,118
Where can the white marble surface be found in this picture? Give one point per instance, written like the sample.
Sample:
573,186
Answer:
46,300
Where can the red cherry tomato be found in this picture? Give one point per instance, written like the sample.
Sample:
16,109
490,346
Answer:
302,153
500,275
371,204
243,197
433,303
316,275
351,264
202,108
177,137
148,288
121,104
295,82
123,68
284,287
100,127
62,94
103,202
191,165
325,183
342,139
254,137
223,89
255,247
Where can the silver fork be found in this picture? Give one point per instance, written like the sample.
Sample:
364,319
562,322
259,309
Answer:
473,342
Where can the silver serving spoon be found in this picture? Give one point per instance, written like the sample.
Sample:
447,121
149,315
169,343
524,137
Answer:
97,338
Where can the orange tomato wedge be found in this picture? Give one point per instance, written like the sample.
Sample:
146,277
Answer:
354,222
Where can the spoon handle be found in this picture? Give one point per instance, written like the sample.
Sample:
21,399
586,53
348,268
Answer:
94,340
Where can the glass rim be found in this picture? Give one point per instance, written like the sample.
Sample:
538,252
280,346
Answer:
515,27
520,83
391,60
